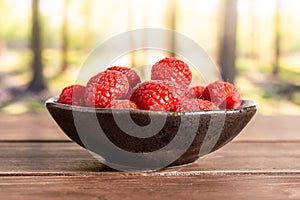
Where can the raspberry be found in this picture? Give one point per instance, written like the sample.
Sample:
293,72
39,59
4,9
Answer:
131,75
122,104
72,95
196,91
172,69
188,105
223,94
155,95
179,90
104,87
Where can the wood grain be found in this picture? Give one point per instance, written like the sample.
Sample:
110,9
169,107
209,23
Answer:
122,186
29,126
37,161
271,128
40,126
68,157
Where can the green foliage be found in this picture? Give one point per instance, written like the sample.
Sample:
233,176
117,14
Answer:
255,50
16,36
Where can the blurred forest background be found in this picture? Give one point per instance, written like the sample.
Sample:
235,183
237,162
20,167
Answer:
43,44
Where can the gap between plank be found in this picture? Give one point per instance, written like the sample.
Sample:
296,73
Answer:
168,174
36,141
70,141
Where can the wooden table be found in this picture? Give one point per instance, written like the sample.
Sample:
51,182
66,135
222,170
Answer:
39,162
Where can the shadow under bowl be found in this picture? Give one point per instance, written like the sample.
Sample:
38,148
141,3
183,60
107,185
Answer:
147,140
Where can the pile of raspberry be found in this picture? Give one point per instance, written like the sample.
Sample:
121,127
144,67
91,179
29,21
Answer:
169,90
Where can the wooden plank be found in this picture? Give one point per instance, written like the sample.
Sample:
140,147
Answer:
40,126
121,186
279,127
29,126
63,157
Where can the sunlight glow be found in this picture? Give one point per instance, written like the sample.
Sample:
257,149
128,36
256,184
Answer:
263,8
21,8
52,9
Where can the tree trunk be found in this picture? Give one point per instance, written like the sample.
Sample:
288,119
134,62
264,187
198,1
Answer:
171,24
277,39
173,27
130,16
37,84
253,31
65,41
227,51
87,25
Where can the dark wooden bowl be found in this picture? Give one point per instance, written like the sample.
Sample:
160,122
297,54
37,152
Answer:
174,139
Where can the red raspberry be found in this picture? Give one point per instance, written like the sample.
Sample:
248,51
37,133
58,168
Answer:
131,75
155,95
180,90
223,94
122,104
196,91
104,87
172,69
72,95
188,105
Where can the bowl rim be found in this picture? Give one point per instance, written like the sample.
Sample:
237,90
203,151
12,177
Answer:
52,102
